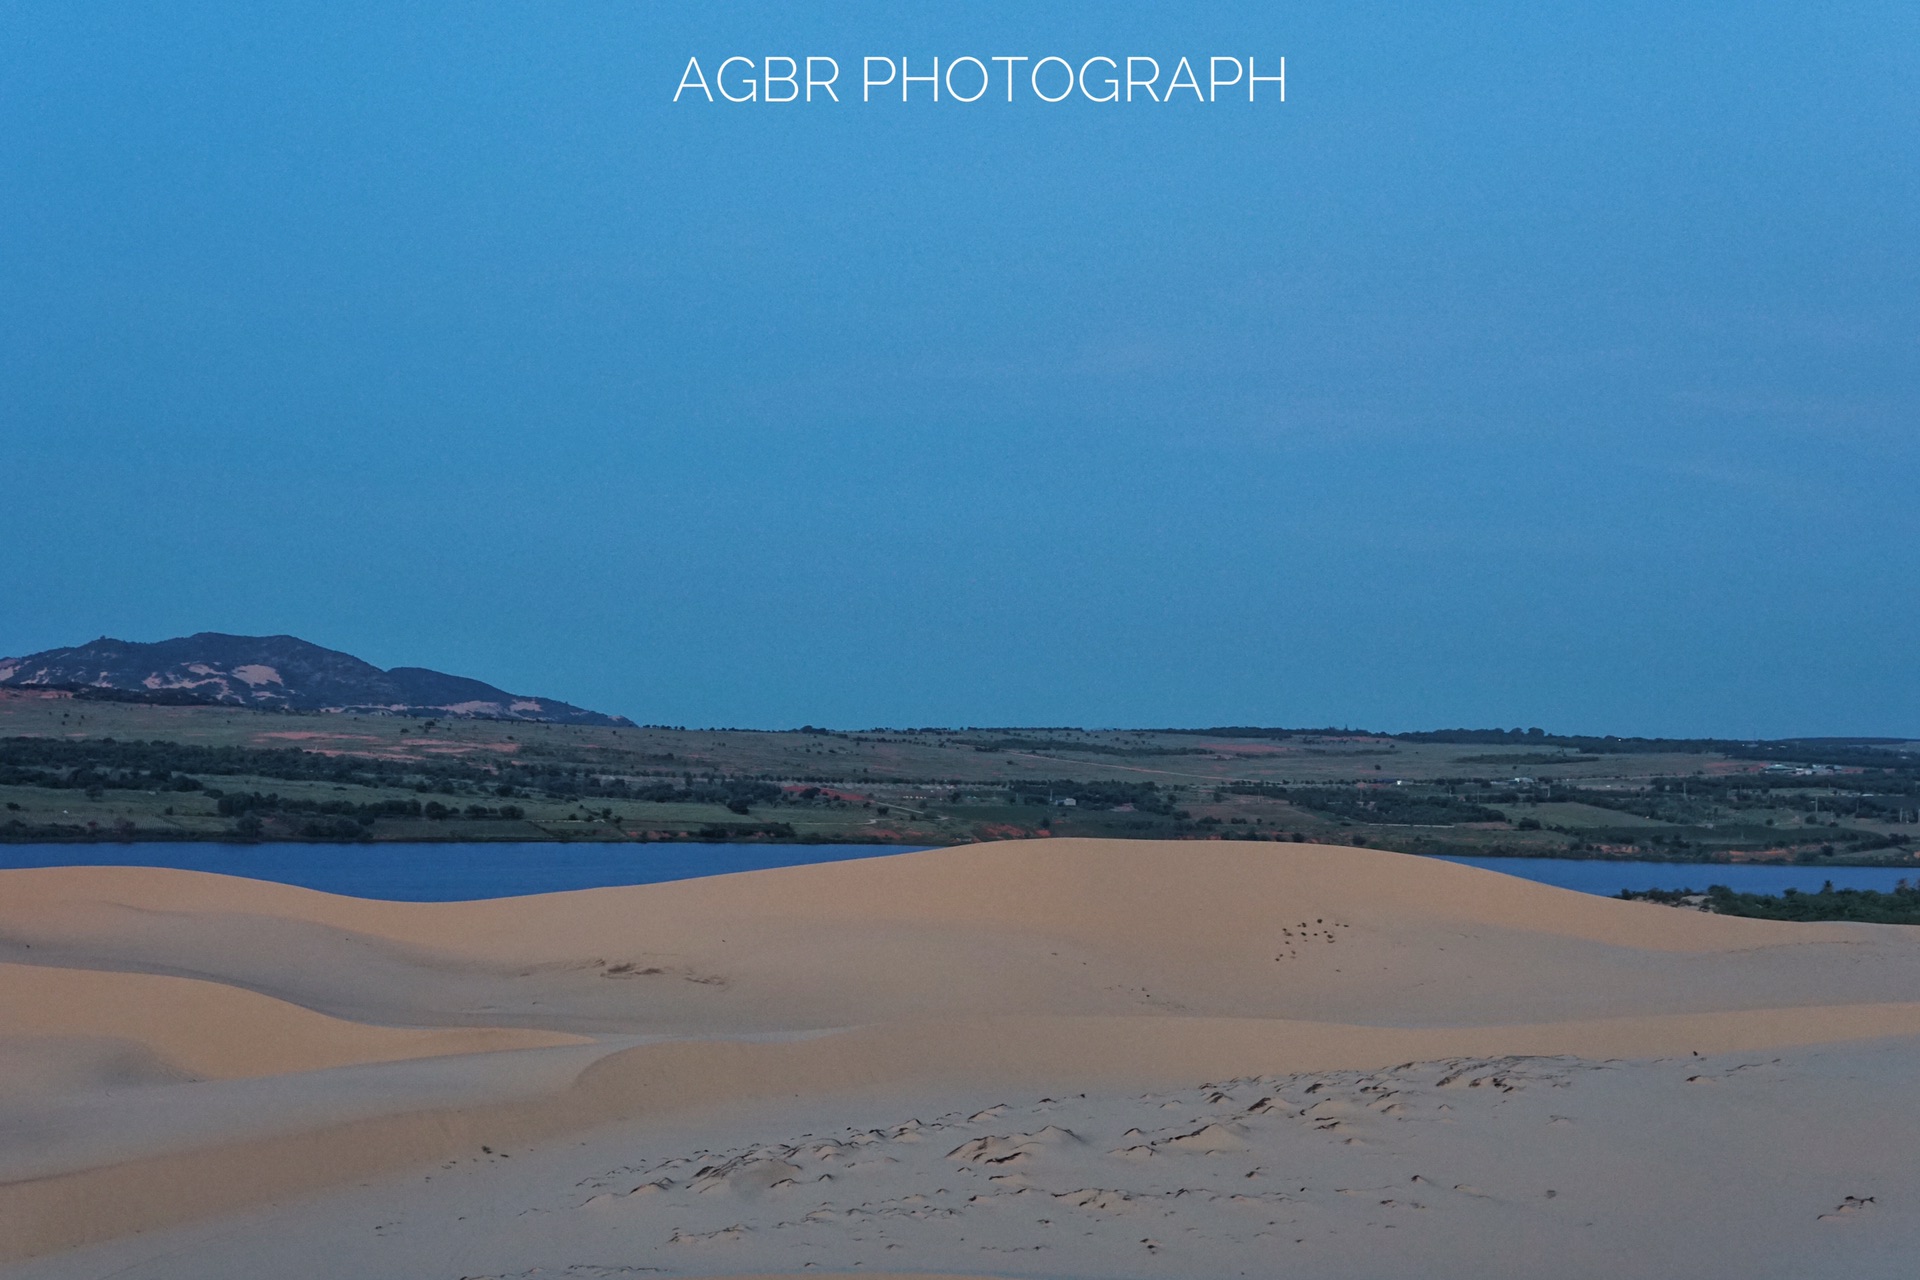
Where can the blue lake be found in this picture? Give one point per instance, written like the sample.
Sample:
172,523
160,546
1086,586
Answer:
446,872
1609,878
456,872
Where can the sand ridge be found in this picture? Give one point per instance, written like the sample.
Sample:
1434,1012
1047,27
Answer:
1051,966
1191,891
1065,928
211,1031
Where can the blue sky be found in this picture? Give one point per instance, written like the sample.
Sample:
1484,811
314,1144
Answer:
1533,364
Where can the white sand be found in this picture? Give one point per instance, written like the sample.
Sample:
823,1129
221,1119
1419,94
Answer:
263,1080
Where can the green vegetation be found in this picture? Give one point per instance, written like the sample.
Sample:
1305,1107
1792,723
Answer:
102,769
1866,906
1393,806
100,763
1054,746
1831,752
1143,797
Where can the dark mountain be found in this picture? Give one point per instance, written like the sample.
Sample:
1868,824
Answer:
274,672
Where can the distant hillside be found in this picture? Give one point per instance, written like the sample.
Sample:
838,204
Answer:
274,672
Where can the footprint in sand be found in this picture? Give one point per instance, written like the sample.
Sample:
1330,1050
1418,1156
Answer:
578,1271
1098,1199
998,1149
1211,1140
746,1175
1851,1207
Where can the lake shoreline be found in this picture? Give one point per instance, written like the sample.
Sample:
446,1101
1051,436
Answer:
747,837
466,870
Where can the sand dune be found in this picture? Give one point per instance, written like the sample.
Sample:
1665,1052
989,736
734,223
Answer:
210,1031
1055,967
1043,927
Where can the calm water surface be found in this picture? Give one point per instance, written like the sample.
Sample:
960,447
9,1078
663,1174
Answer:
447,872
1610,878
458,872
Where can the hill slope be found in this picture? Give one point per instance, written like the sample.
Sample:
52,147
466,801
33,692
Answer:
275,672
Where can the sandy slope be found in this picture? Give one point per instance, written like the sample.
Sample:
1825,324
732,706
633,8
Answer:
138,1008
211,1031
1067,927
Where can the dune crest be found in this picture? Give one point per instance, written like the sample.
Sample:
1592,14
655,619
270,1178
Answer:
1051,966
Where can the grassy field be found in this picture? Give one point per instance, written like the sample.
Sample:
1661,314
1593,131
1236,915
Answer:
90,770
